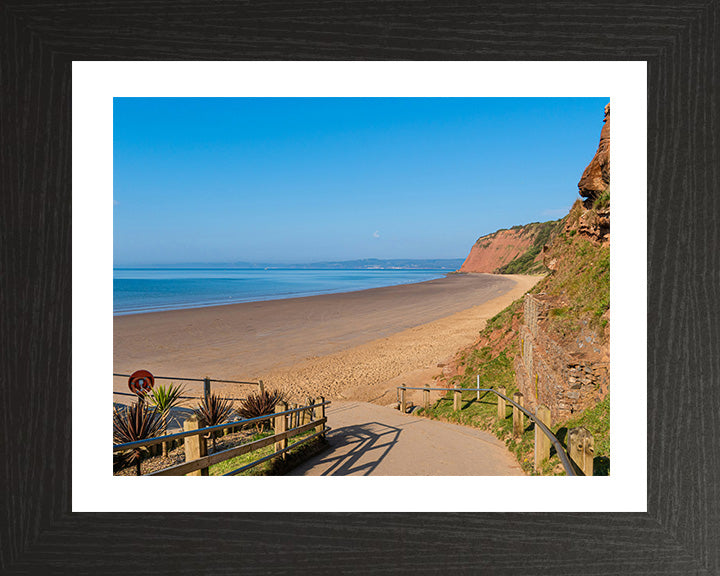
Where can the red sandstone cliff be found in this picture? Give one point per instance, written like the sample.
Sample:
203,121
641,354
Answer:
520,250
595,178
594,186
513,251
497,249
559,334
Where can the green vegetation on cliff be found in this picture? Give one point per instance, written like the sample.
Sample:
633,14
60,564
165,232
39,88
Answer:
580,283
526,263
568,333
482,413
577,290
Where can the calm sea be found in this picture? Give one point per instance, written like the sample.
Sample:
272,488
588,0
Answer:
142,290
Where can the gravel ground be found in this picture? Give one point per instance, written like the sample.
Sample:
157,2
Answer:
177,456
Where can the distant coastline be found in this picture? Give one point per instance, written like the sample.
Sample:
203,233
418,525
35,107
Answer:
144,290
449,264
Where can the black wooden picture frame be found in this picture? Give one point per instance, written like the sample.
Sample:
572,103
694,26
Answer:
680,533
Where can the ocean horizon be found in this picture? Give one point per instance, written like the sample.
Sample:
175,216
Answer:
143,290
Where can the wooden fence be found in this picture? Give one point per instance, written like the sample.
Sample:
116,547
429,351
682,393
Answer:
286,423
579,461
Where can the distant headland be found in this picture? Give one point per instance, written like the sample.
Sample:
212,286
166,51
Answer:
449,264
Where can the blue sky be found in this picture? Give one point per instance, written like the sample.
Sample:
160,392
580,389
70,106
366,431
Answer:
309,179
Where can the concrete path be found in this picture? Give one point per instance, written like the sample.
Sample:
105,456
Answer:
367,439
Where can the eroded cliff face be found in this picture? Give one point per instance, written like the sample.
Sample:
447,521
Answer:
593,221
513,251
596,177
558,336
564,358
493,251
524,249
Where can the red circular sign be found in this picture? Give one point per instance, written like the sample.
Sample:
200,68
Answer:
141,382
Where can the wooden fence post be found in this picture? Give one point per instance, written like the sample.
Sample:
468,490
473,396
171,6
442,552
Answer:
501,404
280,426
518,421
307,413
206,388
581,449
426,398
293,419
457,397
320,416
262,387
542,442
478,387
195,446
403,406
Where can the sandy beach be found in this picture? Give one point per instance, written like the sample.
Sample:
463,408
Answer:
357,345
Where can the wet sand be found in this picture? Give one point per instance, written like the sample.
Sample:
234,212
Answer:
353,345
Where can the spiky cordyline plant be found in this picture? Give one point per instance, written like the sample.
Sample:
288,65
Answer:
214,410
260,404
135,422
164,399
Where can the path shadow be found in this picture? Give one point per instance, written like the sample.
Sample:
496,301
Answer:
601,466
561,435
369,444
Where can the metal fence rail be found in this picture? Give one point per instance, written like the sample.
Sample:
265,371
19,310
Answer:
200,461
564,459
258,383
207,385
181,397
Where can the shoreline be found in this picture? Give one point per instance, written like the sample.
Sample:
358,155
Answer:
314,345
371,371
440,273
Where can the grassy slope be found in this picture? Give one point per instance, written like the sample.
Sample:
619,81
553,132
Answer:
525,263
582,284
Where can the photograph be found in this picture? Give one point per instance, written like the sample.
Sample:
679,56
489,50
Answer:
361,286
